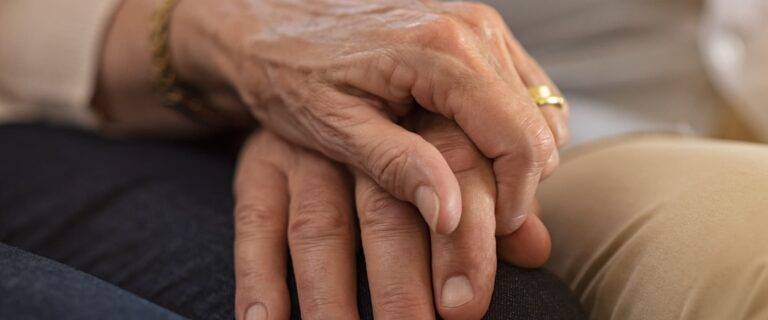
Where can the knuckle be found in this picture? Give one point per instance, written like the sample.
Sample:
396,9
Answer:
377,204
320,303
389,161
250,277
542,146
383,216
444,33
254,218
539,143
459,152
397,300
316,221
401,78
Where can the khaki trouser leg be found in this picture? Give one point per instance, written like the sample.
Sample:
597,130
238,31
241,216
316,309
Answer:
663,228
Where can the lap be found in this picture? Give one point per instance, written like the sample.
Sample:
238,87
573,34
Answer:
33,287
152,218
155,219
662,228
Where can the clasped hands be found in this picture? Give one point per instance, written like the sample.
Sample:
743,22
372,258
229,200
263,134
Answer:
411,116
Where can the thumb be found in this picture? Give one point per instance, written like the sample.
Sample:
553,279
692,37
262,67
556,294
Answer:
400,161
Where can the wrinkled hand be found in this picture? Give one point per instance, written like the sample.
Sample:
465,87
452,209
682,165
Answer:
292,200
462,266
334,76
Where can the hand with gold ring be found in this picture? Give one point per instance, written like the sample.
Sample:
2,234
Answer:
341,91
555,110
341,86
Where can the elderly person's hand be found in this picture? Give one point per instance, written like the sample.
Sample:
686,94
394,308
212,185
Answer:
338,77
334,76
293,200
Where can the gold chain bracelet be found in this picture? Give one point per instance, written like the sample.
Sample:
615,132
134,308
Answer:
177,97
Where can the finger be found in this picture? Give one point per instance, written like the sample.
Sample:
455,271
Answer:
552,164
464,262
394,240
529,246
519,141
261,214
554,116
490,27
533,75
495,112
454,78
398,160
321,239
509,55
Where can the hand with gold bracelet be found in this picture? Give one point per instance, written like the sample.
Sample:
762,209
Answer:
338,77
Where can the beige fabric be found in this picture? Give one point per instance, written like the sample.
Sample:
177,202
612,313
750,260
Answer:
49,57
663,228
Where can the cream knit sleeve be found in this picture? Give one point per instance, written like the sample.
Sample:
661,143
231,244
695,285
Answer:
49,55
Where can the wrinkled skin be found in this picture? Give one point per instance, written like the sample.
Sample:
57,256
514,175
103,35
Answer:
335,76
284,192
351,81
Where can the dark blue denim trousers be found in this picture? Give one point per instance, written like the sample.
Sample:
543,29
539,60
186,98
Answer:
93,228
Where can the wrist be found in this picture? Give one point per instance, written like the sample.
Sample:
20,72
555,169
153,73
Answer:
202,52
198,59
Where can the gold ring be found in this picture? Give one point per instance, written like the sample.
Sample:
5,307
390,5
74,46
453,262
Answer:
543,96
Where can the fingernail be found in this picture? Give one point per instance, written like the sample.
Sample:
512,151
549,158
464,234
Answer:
456,292
514,223
428,204
256,312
